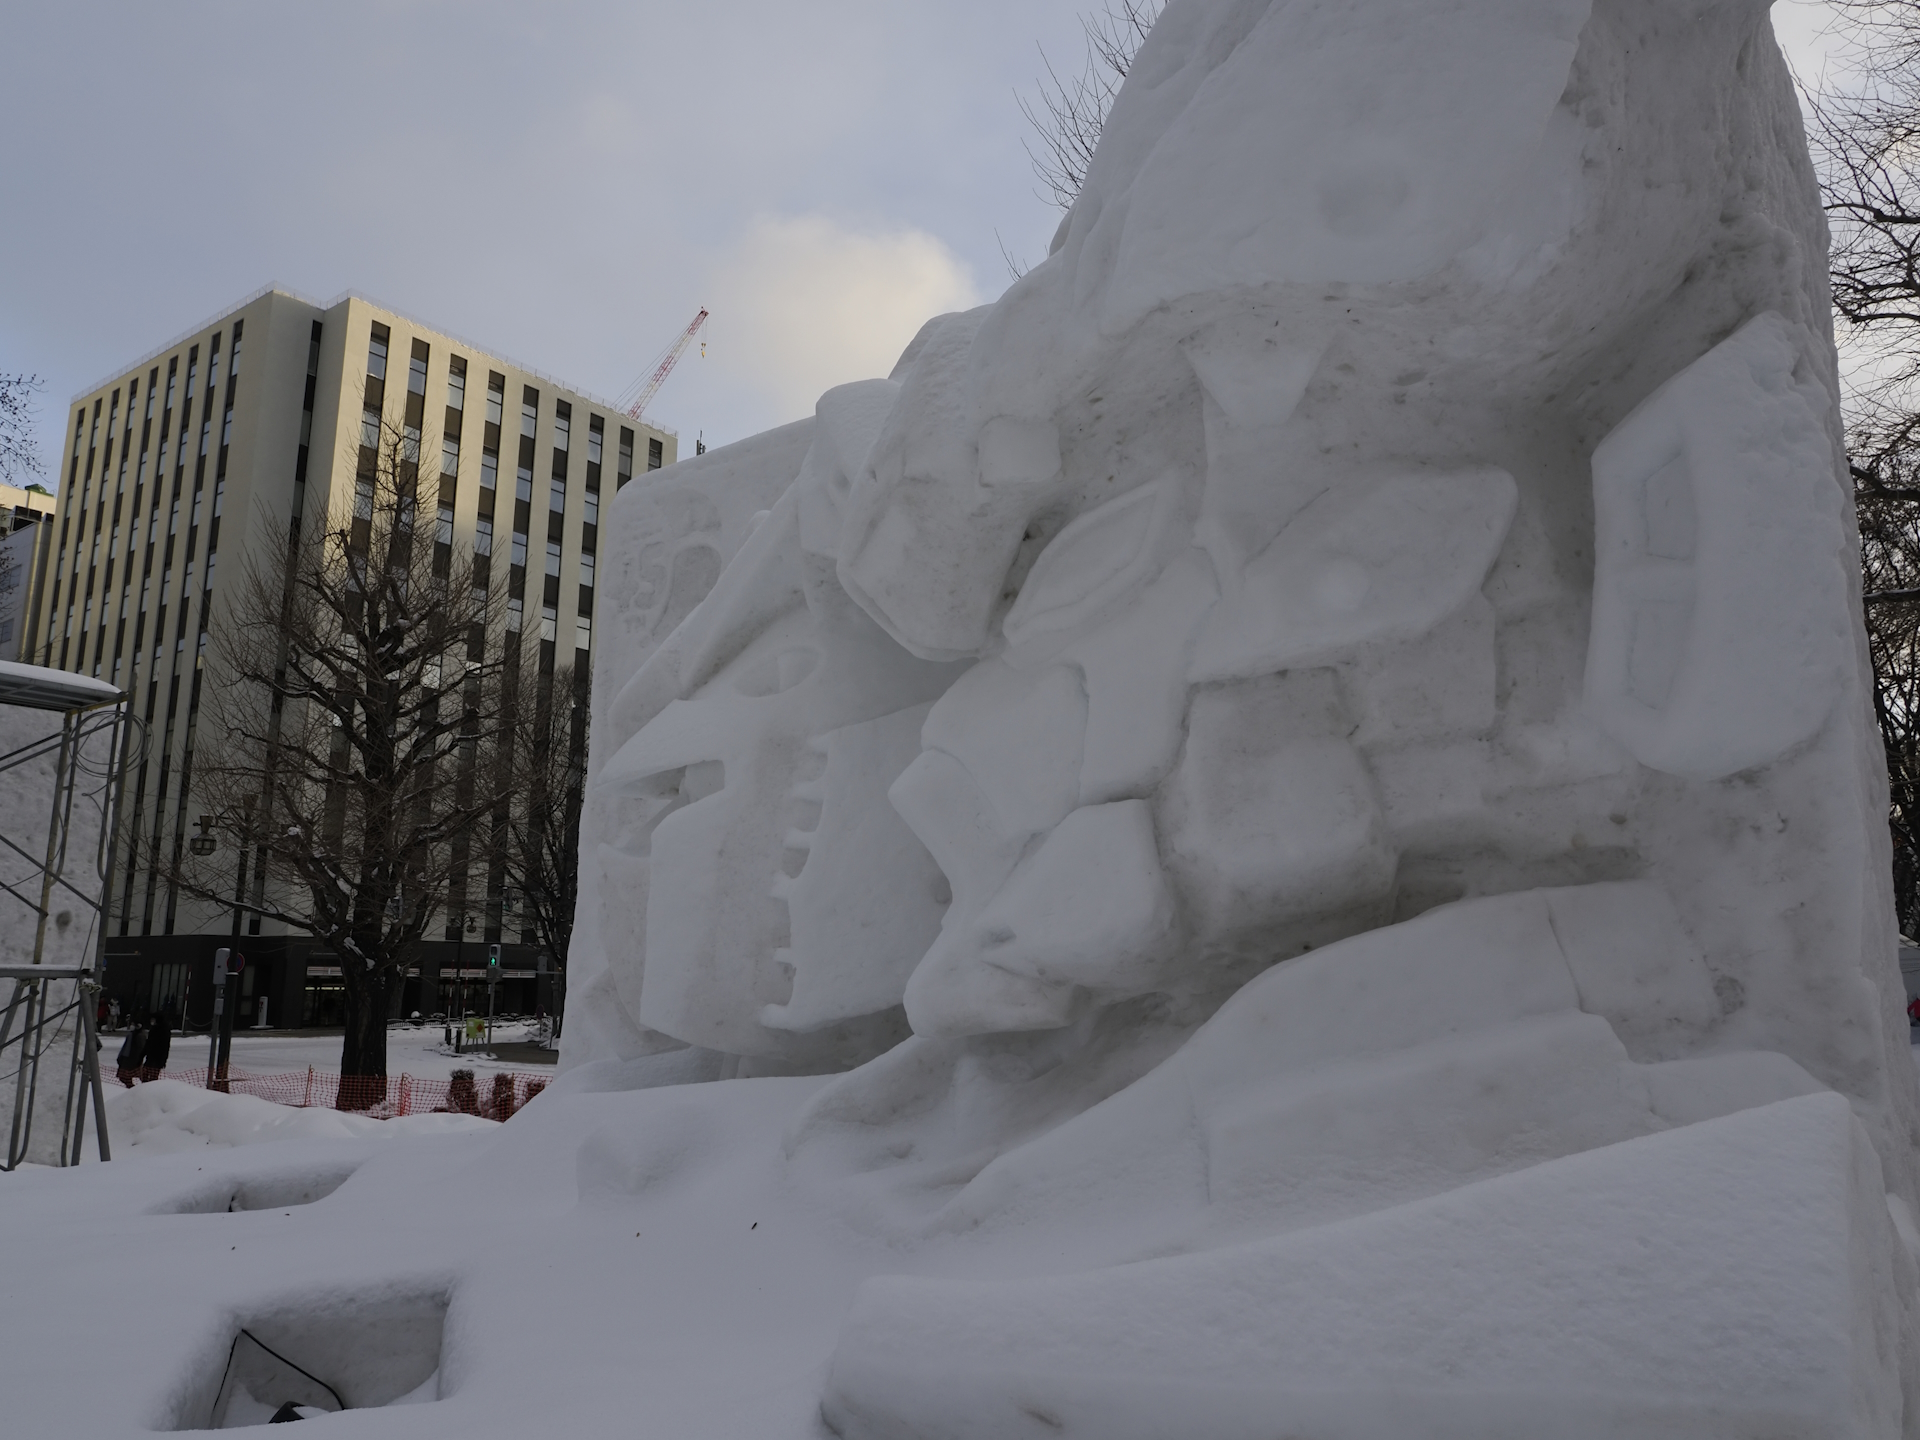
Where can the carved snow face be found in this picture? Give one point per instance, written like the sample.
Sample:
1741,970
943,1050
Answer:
1153,785
783,899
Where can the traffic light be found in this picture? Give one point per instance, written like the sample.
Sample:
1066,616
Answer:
493,963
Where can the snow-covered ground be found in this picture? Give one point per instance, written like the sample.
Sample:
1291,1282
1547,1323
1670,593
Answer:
495,1273
536,1235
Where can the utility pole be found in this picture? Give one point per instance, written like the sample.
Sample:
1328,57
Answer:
220,1031
235,964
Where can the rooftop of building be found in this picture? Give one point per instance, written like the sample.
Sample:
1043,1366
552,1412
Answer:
30,497
275,289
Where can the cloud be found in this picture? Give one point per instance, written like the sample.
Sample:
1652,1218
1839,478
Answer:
802,303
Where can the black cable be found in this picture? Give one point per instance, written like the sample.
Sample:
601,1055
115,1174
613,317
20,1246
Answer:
276,1355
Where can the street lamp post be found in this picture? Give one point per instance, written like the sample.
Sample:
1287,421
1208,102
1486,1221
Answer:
455,1028
493,979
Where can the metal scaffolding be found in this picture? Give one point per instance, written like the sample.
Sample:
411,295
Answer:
94,715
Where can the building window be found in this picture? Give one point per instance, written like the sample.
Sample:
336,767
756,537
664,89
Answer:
219,494
583,633
206,431
417,370
519,555
514,611
363,498
444,531
591,511
586,570
483,536
655,453
410,444
523,484
496,396
625,471
377,352
456,383
226,427
562,425
549,622
449,454
489,469
553,557
233,360
596,433
529,411
557,495
370,428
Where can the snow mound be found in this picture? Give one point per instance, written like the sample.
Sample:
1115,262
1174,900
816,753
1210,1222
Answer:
1720,1280
164,1117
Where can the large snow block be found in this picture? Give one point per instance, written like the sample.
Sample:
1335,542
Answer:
1729,1280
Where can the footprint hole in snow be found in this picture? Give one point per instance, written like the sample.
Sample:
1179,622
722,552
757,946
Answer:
277,1190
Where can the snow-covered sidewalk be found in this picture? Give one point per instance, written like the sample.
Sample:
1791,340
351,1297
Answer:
415,1051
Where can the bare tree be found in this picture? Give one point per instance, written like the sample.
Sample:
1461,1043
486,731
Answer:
19,457
1865,123
354,710
1070,113
539,825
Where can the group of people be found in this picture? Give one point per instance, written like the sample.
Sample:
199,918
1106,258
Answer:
143,1054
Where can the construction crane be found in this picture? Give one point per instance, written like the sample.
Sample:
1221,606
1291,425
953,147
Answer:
644,389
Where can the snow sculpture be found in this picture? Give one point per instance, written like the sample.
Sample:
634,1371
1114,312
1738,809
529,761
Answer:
771,901
1365,635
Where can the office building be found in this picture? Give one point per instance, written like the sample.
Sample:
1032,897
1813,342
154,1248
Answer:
174,470
23,542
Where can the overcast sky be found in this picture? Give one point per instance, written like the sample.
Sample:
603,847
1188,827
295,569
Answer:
565,183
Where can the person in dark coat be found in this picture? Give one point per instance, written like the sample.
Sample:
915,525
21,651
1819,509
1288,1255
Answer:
159,1045
133,1052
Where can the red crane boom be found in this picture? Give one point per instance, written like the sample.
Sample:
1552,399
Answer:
644,389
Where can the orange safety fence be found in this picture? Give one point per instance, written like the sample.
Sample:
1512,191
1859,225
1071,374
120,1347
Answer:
493,1095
